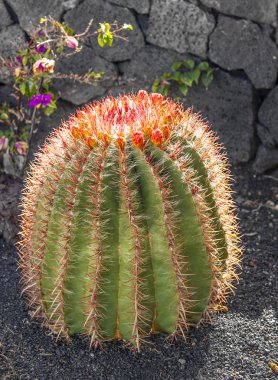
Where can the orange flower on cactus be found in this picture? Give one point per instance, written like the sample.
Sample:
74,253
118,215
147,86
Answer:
43,65
137,138
157,137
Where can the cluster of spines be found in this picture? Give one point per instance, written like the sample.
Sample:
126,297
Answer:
156,123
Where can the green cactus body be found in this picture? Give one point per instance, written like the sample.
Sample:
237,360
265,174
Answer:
128,226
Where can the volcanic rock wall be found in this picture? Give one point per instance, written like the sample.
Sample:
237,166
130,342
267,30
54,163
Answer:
238,37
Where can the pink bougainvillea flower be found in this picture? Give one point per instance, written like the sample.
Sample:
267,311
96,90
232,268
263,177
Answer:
43,65
21,147
3,143
40,49
40,100
71,42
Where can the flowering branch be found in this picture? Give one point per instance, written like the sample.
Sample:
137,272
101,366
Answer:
33,70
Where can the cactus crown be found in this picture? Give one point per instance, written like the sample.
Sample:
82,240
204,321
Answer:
128,226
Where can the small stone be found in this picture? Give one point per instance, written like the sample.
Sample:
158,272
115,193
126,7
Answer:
29,12
182,361
140,6
270,204
80,93
101,11
268,116
266,159
257,10
5,18
241,44
178,25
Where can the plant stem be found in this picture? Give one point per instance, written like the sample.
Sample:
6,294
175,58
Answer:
33,121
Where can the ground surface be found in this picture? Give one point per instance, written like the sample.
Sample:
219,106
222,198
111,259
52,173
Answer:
238,345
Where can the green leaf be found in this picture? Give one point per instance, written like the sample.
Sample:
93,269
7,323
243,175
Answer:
183,89
95,75
67,29
155,85
189,64
22,87
207,79
22,52
52,104
187,78
109,39
25,60
176,65
176,76
100,40
30,89
164,90
196,75
210,71
48,111
4,116
45,86
166,76
203,66
60,49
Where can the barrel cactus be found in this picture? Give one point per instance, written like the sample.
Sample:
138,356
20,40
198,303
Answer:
128,226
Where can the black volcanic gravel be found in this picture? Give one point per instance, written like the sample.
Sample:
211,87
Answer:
238,345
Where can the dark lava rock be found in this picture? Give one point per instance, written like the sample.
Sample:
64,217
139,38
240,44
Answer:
10,190
5,18
180,26
150,63
101,11
257,10
266,159
12,39
265,136
140,6
228,106
29,12
268,114
79,93
241,44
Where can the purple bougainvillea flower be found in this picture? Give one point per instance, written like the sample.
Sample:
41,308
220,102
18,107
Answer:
40,49
40,100
19,59
40,32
